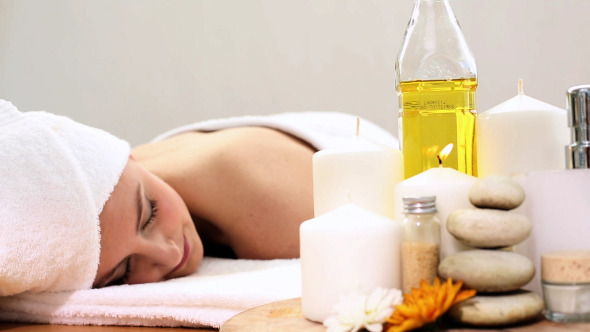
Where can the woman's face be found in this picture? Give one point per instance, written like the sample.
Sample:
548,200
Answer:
147,233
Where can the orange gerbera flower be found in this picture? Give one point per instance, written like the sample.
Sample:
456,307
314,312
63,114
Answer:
426,304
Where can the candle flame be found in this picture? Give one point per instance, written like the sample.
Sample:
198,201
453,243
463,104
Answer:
444,153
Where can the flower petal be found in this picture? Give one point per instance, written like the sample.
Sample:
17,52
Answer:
376,327
464,295
426,304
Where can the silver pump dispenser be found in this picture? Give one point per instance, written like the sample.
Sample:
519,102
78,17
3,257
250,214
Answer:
578,118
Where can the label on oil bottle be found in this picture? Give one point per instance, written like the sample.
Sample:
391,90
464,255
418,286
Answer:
433,115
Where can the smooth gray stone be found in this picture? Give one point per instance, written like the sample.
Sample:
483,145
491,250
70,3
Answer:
498,310
488,228
488,271
496,192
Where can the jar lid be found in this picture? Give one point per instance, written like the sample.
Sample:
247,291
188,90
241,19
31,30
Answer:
418,205
571,266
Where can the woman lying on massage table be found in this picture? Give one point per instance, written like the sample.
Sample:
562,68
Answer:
104,214
240,191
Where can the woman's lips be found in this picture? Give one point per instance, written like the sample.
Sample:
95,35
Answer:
184,259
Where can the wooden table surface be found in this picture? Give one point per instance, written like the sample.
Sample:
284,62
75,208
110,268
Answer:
286,316
76,328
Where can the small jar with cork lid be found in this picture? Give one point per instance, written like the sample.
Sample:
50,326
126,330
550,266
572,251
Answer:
421,242
566,285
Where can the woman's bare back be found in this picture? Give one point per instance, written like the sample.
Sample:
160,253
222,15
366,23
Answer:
247,188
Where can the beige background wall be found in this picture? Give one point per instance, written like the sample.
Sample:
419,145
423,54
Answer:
138,67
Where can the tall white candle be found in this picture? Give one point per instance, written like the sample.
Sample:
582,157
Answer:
451,189
520,135
346,250
364,175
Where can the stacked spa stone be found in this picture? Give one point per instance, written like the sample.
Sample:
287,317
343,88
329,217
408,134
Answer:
496,273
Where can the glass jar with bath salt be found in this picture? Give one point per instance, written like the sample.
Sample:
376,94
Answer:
566,285
421,242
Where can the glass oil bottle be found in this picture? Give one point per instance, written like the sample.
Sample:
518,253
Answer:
436,79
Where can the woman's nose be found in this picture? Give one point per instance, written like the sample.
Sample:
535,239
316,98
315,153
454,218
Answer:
166,253
157,257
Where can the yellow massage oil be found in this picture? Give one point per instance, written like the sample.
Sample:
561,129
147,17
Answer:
433,114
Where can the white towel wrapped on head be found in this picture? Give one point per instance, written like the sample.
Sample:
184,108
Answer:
55,177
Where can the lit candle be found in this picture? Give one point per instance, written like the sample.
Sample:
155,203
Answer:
451,189
364,174
520,135
349,249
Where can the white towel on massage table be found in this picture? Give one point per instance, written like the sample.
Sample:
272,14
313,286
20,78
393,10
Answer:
220,289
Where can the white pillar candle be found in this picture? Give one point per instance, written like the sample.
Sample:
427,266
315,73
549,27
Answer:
451,189
364,175
349,249
557,205
520,135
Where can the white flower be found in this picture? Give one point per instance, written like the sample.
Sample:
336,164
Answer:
356,311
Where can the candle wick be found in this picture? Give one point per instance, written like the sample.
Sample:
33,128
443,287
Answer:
439,161
358,125
520,89
349,196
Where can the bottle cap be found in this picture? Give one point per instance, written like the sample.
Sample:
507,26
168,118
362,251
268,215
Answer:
578,118
419,205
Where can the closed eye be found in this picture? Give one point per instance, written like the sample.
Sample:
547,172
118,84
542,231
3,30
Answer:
125,277
153,213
